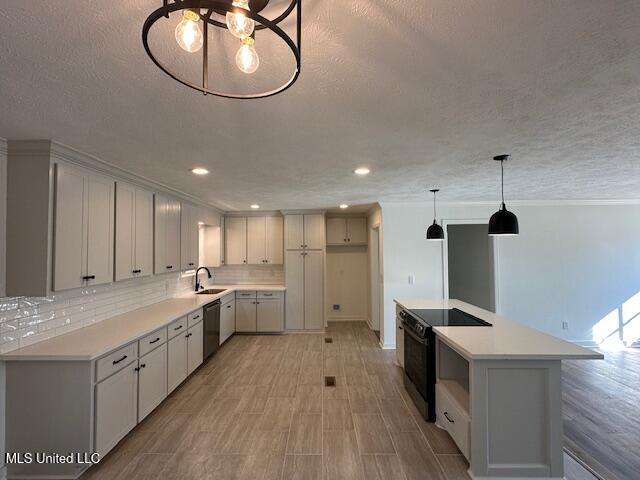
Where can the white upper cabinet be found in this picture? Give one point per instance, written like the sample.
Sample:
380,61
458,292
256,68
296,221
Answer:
84,228
235,236
134,232
304,231
167,234
264,240
188,237
346,231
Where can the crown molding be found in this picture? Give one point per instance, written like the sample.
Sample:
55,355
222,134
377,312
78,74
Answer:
69,154
253,213
303,212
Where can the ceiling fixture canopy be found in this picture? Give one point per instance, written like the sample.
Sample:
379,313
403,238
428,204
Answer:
242,19
435,231
503,222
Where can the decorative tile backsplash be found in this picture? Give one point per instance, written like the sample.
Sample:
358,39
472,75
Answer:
27,320
239,274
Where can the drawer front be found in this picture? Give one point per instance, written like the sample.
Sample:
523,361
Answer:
116,361
229,297
270,294
177,327
151,341
246,294
453,420
193,318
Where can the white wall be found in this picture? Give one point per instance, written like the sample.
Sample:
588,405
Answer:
574,263
347,283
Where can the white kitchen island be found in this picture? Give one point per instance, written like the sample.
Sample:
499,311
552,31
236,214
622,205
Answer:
499,393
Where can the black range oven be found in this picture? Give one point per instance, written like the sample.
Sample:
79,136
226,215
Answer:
420,352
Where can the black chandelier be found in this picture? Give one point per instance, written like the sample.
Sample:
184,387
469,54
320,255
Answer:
243,20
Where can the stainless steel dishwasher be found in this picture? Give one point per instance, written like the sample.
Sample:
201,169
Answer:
211,328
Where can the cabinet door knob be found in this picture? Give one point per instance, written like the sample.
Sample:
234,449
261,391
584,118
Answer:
228,306
191,264
144,365
188,335
244,261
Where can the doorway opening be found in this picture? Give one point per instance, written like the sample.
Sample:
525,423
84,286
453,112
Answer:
471,265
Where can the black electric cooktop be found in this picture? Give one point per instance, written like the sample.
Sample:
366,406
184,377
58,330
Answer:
448,318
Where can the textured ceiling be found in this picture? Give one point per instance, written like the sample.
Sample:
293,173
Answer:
423,92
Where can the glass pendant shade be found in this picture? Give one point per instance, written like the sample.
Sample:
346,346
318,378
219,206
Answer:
435,232
503,222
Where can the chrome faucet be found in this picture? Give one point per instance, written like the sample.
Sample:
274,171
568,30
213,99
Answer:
198,284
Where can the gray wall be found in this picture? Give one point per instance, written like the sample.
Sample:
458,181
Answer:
574,263
470,264
3,222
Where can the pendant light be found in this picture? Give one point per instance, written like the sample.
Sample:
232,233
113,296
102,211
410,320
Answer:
503,222
435,231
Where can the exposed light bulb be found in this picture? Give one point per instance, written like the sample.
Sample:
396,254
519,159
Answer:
247,58
238,23
188,33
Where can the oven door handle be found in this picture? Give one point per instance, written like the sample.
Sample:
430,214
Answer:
424,341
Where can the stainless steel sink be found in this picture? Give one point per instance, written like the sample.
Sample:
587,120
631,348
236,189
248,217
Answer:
211,291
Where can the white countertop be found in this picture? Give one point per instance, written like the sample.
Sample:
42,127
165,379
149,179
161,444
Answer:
505,340
91,342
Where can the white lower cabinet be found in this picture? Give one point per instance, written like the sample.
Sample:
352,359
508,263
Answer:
176,361
270,316
227,320
152,383
399,342
246,315
116,407
195,347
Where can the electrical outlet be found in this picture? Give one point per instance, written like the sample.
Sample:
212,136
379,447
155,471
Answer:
412,279
336,306
565,325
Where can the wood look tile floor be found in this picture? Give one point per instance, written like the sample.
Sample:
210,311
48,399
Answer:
600,410
259,409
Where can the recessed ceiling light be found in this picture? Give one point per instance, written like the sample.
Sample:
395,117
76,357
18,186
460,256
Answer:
199,171
344,205
361,171
255,206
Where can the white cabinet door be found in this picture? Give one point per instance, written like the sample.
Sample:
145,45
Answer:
227,320
294,280
152,380
313,290
246,315
336,231
116,408
100,229
357,230
270,316
188,237
195,347
294,232
173,235
70,241
274,240
256,240
235,232
143,264
314,234
176,361
125,231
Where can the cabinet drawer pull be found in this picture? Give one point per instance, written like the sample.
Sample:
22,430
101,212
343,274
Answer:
136,271
169,267
156,340
196,317
178,328
446,414
89,277
115,362
268,294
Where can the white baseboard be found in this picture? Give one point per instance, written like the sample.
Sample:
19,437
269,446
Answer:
347,318
387,346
